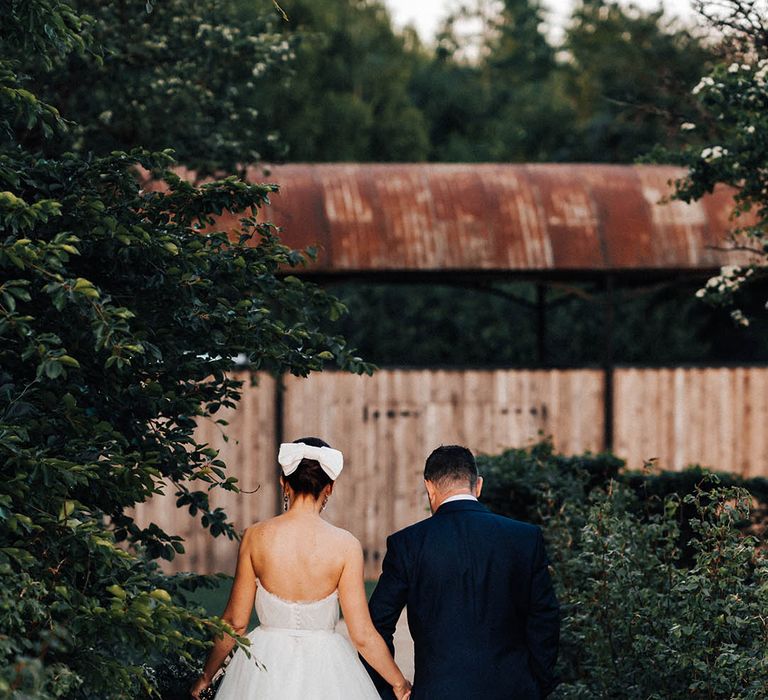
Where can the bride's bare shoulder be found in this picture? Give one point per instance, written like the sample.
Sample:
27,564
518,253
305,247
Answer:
344,538
261,529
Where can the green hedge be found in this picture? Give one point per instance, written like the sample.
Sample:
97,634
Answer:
661,577
528,483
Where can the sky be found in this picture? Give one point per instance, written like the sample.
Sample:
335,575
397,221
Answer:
426,14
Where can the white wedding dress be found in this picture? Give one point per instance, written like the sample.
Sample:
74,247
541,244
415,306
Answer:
296,654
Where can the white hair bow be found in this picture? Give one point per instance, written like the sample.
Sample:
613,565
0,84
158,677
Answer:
291,453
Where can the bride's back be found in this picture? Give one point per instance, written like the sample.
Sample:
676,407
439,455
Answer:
297,557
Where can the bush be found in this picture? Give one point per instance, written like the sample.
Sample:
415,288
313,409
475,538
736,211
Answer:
639,622
663,594
533,484
121,313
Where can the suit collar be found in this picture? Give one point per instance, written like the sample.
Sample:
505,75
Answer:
456,506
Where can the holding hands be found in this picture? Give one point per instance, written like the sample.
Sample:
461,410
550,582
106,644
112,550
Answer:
402,690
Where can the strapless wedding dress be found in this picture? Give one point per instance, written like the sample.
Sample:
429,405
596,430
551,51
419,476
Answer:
296,654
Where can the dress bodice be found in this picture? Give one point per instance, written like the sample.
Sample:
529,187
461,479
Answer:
276,613
295,654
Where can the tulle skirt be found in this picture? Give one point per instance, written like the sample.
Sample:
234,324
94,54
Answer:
296,665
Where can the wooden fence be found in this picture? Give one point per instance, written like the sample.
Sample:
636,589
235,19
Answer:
387,424
714,416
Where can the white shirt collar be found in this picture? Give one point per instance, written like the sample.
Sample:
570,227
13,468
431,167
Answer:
459,497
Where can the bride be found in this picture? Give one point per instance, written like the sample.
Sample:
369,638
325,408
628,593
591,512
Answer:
297,568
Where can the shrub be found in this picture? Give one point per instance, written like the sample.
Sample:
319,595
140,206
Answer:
121,313
532,484
640,622
663,594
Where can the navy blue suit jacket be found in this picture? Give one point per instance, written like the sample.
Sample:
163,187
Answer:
481,608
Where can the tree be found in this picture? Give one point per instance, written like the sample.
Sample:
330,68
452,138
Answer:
188,75
734,131
121,311
496,95
617,85
629,77
347,98
323,81
335,82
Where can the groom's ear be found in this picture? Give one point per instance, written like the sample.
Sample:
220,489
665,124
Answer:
478,486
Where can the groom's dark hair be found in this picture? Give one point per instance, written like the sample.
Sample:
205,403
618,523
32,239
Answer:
449,464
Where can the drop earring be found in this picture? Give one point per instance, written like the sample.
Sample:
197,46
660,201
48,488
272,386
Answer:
285,500
325,503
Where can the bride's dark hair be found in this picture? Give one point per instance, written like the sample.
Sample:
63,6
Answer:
309,476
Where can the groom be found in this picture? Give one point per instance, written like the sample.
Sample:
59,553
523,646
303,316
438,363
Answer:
481,609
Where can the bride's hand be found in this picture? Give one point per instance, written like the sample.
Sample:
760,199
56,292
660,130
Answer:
199,686
402,690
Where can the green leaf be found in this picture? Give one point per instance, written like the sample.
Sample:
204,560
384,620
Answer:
68,361
117,591
53,369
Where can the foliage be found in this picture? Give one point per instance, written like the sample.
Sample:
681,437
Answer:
362,91
734,132
495,324
347,96
531,484
629,77
641,623
617,84
121,311
497,96
334,81
229,83
184,74
663,595
323,81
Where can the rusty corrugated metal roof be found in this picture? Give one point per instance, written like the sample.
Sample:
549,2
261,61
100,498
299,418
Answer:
488,217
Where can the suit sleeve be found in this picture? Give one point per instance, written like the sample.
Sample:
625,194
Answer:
543,623
387,603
